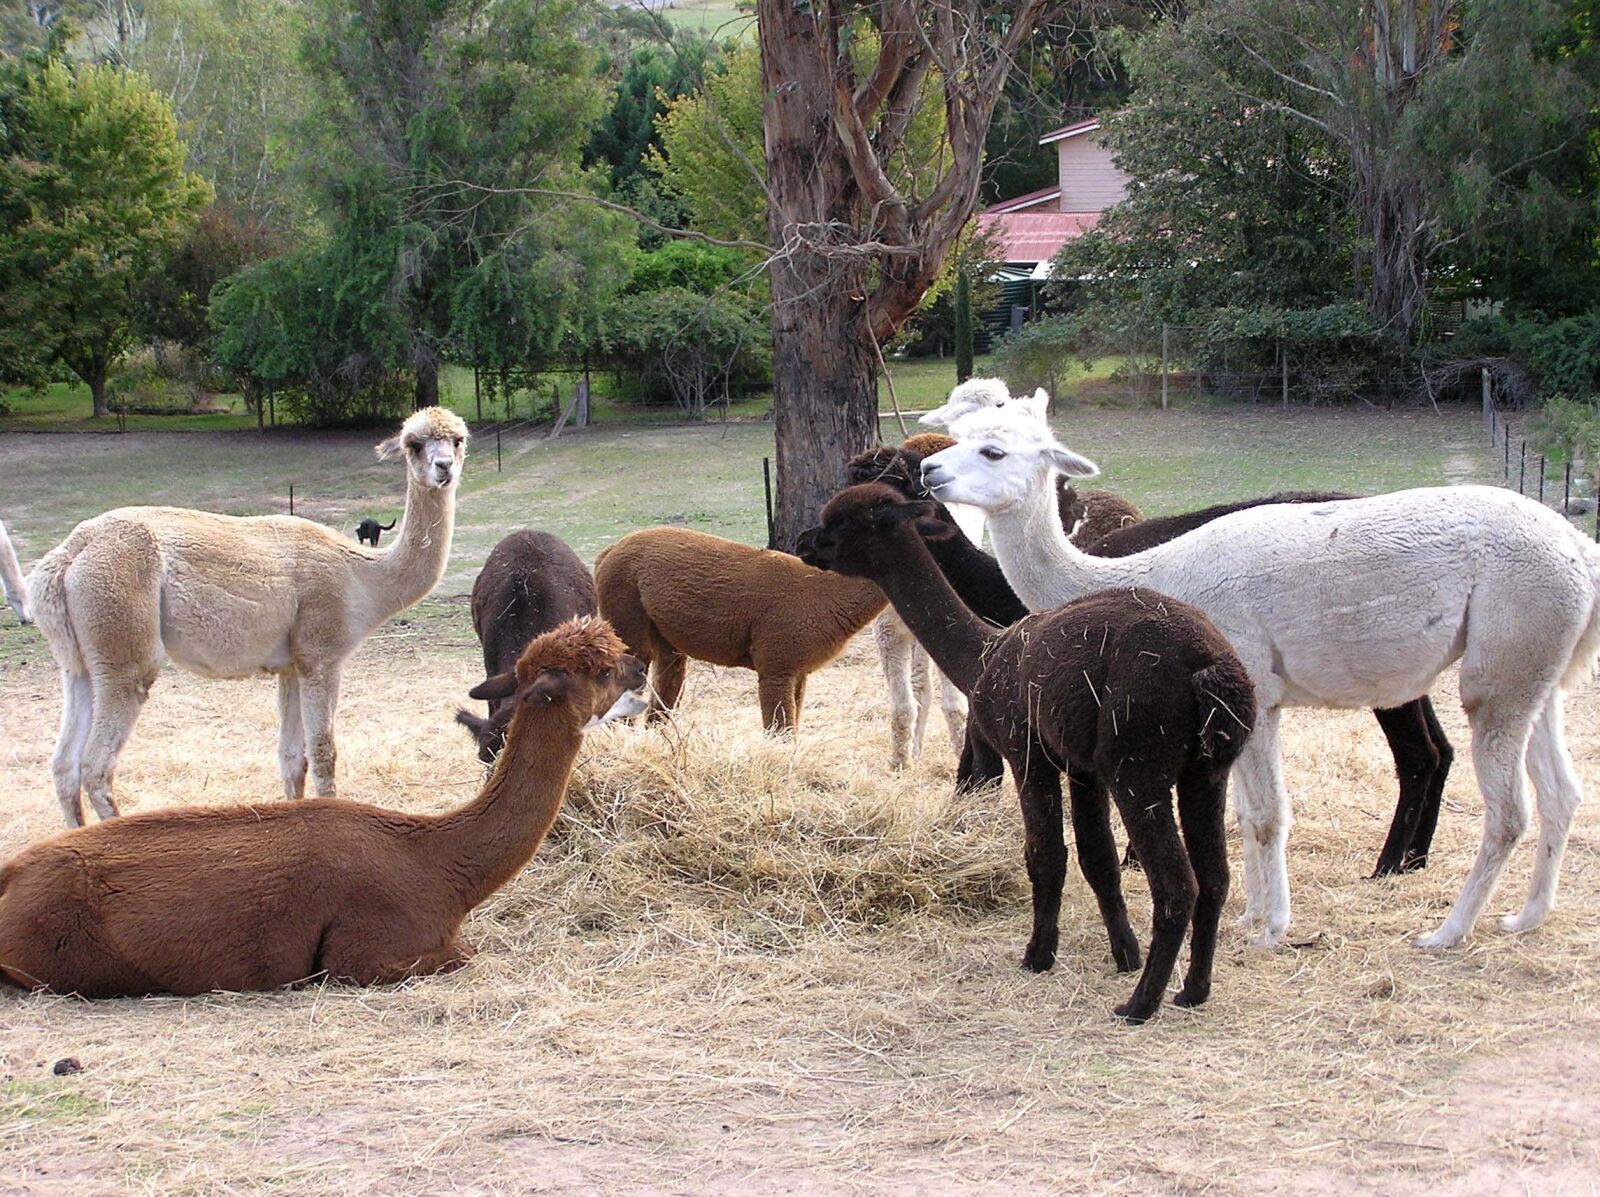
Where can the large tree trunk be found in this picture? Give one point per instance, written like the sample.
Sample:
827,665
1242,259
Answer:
824,387
824,366
97,387
427,390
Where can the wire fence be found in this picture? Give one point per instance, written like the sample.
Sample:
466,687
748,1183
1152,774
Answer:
1533,473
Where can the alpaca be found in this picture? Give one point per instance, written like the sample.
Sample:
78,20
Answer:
1422,752
259,897
1362,602
367,531
530,582
1127,689
11,578
230,597
673,594
907,670
973,395
1094,514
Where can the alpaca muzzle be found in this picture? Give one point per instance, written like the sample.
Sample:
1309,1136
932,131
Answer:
628,704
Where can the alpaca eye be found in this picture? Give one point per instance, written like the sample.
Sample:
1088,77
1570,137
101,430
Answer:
457,442
993,454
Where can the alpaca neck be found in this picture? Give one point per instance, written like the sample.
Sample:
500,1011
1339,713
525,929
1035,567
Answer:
955,638
414,562
486,843
1042,565
851,601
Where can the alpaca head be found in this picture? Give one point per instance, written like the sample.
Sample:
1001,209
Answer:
976,394
925,444
434,442
857,521
581,665
1004,454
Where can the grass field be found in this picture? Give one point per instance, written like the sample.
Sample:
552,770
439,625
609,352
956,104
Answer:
748,964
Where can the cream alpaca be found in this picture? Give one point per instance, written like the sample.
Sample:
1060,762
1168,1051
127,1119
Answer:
230,597
11,577
1361,602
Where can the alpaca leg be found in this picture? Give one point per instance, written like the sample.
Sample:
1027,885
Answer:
955,711
979,766
894,654
319,700
119,695
291,738
666,683
1097,860
1262,804
1559,792
799,697
777,696
377,959
1039,790
1498,748
1202,812
1146,807
1417,854
66,765
1415,762
922,688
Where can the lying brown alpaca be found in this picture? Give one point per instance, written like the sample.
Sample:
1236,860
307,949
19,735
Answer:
1127,690
257,897
673,594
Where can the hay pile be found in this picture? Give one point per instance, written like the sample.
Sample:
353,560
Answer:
743,963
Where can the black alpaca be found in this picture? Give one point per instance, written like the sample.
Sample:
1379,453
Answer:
1126,690
530,583
1422,753
367,531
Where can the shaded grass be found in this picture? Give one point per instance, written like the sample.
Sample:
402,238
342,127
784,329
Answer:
69,407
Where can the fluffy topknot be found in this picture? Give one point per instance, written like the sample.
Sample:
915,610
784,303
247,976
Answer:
926,444
586,645
860,498
433,423
875,464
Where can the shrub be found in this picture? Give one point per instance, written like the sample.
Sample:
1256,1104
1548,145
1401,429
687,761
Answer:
687,348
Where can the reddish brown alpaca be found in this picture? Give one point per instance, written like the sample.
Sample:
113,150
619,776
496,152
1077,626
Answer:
258,897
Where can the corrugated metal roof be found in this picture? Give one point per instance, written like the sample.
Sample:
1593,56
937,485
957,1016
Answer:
1030,236
1031,199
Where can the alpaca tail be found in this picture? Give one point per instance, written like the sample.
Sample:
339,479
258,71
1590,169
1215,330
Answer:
1226,702
389,527
11,579
47,599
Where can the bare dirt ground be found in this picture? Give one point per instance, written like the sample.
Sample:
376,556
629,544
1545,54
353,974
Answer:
745,964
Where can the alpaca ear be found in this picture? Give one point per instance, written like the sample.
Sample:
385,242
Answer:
550,685
388,449
936,524
1069,463
1036,405
501,685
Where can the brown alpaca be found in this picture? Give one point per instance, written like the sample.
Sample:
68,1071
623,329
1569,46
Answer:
673,594
258,897
1125,689
1091,514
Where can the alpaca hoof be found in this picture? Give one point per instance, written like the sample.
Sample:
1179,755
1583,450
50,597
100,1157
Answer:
1126,953
1436,940
1268,938
1248,921
1527,920
1132,1015
1191,996
1038,960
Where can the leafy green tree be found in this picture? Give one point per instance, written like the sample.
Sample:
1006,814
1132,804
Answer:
93,193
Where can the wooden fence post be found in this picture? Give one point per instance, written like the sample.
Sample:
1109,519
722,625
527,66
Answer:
1283,354
1163,365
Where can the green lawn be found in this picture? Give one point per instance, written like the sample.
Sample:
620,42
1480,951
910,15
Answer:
594,486
67,406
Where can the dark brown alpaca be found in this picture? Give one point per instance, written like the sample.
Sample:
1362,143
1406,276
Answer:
673,594
1128,690
258,897
530,582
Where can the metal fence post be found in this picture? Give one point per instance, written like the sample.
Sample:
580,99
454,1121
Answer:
1506,470
1488,403
291,498
1522,465
1566,489
1163,365
1283,354
1541,477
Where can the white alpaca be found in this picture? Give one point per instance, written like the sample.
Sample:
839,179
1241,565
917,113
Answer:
11,578
231,597
974,395
1358,603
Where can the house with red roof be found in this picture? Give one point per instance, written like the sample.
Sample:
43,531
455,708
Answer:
1032,228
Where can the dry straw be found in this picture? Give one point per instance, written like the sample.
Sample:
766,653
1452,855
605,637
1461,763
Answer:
743,963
